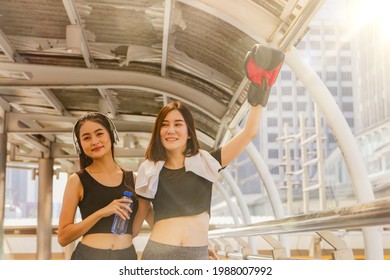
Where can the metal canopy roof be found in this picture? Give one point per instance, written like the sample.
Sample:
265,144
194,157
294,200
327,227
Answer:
133,57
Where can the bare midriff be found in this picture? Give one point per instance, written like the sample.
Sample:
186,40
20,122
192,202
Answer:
108,241
182,231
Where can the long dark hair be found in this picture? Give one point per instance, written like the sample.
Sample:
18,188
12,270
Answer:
156,151
99,118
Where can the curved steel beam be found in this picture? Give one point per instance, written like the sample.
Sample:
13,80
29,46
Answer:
232,208
240,200
345,140
272,191
72,77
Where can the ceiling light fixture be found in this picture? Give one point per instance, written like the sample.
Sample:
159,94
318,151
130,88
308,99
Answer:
73,38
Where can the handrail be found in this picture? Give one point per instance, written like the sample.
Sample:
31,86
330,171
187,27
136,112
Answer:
373,213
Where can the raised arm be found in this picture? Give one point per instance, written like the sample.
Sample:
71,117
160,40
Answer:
262,66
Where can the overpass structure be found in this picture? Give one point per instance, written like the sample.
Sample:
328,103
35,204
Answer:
60,59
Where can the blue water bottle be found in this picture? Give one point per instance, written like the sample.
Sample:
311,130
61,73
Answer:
119,226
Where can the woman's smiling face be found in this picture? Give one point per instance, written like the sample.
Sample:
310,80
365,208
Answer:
95,139
174,132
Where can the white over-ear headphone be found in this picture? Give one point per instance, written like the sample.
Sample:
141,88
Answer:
113,131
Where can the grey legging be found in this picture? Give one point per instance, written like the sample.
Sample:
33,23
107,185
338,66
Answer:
158,251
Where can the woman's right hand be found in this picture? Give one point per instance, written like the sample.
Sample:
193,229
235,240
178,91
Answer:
118,206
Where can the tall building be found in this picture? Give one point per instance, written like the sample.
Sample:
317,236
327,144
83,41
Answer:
22,194
327,48
371,45
21,201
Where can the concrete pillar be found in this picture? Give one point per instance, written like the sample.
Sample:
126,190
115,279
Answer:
3,162
45,205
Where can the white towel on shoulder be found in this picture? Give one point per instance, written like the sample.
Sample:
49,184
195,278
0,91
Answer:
202,164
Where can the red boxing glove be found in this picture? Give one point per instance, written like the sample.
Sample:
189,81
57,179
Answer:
262,65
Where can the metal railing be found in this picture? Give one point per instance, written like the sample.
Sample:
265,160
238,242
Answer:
373,213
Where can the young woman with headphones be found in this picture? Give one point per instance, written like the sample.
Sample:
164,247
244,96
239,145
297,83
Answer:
97,189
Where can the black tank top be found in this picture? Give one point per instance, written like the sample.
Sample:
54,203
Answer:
97,196
182,193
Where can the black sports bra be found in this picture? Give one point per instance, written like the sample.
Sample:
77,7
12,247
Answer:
96,196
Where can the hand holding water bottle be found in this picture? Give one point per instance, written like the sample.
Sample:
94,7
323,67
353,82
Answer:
121,222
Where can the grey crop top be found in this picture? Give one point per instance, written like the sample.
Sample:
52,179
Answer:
96,196
182,193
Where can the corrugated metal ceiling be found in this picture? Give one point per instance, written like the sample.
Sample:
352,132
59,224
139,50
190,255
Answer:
197,45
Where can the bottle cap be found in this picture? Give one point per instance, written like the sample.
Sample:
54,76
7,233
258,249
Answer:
127,194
